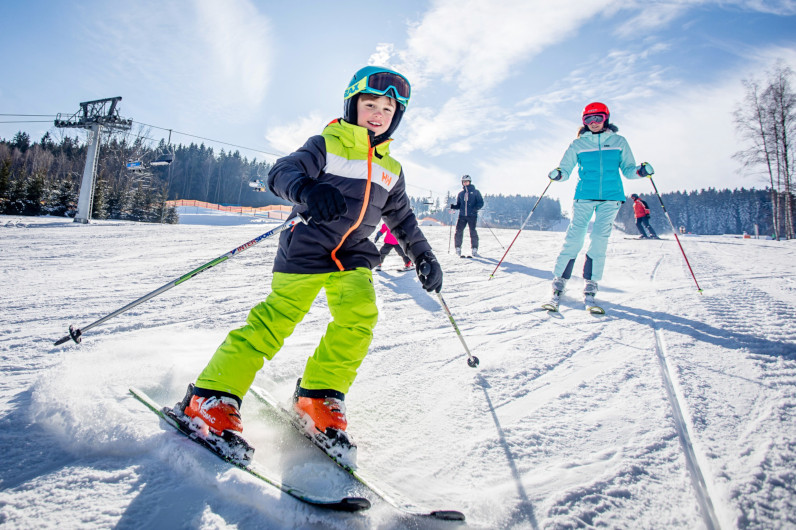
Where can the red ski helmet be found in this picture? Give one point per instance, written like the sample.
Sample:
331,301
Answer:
596,108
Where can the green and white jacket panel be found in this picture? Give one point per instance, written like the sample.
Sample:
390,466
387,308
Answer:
374,187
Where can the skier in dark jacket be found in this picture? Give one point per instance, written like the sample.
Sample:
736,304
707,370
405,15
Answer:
343,181
642,213
468,202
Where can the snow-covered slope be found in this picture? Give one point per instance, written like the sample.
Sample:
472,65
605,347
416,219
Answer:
567,422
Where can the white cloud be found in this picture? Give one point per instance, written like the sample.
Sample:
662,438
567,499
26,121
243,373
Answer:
202,61
424,179
457,126
287,138
236,36
475,43
688,135
473,47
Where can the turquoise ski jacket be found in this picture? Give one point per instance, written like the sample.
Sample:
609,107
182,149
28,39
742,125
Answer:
600,159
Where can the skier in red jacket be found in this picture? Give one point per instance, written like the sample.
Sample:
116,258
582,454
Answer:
642,212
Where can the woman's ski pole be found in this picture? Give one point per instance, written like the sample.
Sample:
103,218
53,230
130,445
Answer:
472,360
75,334
674,231
520,230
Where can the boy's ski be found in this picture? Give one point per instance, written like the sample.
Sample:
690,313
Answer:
288,416
595,310
404,269
345,504
549,306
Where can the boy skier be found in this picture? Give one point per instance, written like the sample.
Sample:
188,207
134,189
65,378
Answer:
343,182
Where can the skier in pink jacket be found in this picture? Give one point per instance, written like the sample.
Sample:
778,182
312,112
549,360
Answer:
390,243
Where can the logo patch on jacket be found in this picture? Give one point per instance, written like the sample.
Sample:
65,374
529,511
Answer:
358,169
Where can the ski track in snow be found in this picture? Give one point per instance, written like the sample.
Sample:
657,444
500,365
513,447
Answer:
566,423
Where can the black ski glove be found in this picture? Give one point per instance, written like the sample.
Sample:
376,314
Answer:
428,271
454,207
645,170
324,202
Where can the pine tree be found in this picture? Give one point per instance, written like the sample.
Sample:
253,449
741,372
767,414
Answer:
99,206
64,200
5,182
34,194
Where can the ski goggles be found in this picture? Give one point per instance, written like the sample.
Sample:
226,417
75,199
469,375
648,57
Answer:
381,83
593,118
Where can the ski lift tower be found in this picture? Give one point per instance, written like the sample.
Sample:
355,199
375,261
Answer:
93,115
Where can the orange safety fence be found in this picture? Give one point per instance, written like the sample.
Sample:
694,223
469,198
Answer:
274,211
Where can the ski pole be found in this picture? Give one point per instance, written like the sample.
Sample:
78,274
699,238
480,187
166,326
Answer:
490,230
450,234
521,227
472,360
75,334
674,231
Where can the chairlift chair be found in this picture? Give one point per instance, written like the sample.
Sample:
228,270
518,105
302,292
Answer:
164,158
258,185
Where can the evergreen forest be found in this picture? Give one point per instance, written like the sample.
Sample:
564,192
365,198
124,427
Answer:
43,178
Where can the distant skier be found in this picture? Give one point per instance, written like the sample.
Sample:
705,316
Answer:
329,181
642,213
602,157
468,202
390,243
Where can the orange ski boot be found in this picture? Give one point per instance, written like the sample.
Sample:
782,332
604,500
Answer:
217,410
215,418
321,415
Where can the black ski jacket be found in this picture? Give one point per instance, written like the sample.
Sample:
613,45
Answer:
374,188
469,201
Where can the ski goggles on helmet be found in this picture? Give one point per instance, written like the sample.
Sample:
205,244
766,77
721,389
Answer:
593,118
381,84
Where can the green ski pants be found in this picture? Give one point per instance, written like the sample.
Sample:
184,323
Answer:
352,303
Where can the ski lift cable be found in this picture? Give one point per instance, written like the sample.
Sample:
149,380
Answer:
30,115
211,140
26,121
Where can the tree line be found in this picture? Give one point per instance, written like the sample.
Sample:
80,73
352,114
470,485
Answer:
707,212
500,211
43,178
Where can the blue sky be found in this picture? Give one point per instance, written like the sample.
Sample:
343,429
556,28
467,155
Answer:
498,86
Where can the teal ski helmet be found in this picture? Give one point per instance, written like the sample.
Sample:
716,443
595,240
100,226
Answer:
379,81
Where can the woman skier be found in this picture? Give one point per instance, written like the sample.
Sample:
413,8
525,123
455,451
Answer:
602,157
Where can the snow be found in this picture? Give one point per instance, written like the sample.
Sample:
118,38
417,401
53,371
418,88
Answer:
567,422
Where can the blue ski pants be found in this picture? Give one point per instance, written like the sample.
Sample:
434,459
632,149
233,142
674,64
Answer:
604,213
